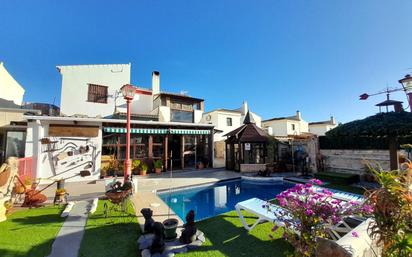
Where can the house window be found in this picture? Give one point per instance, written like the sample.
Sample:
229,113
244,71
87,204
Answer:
229,122
293,127
181,116
97,94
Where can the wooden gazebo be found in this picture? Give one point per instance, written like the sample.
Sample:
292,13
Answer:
246,147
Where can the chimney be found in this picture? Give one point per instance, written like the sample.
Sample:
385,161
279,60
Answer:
298,115
332,120
245,108
155,82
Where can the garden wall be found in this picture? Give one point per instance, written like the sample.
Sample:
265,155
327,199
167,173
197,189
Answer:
353,161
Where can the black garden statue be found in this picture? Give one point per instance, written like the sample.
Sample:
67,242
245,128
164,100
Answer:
189,231
158,244
149,221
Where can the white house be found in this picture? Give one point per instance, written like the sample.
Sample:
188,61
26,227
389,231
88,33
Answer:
286,126
321,127
94,90
224,121
10,89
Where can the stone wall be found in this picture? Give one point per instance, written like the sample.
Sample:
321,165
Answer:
353,161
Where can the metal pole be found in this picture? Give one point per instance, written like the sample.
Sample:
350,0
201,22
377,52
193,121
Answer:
127,162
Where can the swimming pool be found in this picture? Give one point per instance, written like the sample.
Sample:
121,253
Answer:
211,200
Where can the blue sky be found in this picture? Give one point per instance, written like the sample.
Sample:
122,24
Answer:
281,56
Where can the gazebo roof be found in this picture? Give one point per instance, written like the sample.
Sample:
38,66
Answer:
247,133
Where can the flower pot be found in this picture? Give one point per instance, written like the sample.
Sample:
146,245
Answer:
19,189
170,226
200,165
158,170
143,172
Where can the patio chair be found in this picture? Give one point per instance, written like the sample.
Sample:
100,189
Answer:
272,214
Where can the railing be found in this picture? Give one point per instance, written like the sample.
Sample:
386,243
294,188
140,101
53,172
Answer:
25,167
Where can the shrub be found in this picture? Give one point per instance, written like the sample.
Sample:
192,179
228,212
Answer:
158,164
392,211
339,178
144,167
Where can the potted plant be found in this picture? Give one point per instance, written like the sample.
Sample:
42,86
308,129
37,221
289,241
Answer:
200,165
28,181
8,205
19,188
119,169
391,204
170,226
158,165
143,169
135,167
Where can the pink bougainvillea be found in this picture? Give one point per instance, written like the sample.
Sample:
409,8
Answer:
309,211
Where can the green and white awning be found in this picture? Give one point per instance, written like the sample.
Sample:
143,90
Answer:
158,131
189,131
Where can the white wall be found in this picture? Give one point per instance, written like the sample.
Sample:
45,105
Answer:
10,89
164,113
320,129
284,127
51,164
75,81
197,116
218,119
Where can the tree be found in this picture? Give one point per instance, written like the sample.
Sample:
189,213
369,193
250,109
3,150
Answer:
391,125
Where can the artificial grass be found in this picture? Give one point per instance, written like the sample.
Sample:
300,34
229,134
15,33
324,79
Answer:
113,236
30,232
225,236
346,188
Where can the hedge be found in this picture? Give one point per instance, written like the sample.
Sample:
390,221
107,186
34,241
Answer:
339,178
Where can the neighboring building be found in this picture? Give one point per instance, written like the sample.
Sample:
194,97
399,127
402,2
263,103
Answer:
286,126
12,122
224,121
320,128
10,89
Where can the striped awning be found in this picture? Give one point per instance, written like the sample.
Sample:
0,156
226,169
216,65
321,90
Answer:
158,131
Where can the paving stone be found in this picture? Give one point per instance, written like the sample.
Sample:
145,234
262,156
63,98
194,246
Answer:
69,238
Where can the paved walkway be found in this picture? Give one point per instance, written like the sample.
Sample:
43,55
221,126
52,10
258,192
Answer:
157,182
69,238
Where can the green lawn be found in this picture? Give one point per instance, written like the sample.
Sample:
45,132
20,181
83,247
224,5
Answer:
227,237
112,237
346,188
30,232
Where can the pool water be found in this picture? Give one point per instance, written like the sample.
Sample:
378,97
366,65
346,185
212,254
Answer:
212,200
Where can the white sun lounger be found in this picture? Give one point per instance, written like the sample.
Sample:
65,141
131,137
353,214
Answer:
255,206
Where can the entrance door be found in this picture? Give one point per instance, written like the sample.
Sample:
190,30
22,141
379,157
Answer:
175,143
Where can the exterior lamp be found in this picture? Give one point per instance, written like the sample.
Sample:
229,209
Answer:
406,83
128,92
